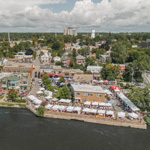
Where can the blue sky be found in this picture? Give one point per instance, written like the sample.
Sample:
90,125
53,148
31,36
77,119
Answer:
68,6
84,15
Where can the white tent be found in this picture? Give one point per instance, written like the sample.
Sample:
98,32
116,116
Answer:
117,90
37,106
102,104
101,81
54,99
87,110
108,105
48,97
70,109
87,103
133,115
64,101
37,101
39,92
108,92
77,109
101,112
121,114
48,107
42,89
55,107
94,111
95,103
109,113
61,107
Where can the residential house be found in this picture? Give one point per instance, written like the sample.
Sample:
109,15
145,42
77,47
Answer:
69,73
80,60
65,60
56,59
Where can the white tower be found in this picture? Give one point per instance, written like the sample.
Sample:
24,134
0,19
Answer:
92,34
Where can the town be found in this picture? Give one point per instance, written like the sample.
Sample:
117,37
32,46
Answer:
94,77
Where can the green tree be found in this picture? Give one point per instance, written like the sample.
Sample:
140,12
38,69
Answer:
34,54
59,63
61,80
12,94
64,92
45,80
40,111
41,53
90,61
50,88
110,72
88,72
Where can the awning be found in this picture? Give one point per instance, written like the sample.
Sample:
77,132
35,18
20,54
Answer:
65,101
70,109
109,113
77,109
48,106
133,115
101,111
95,103
87,103
2,91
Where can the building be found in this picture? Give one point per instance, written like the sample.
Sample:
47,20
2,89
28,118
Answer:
104,58
145,44
18,67
22,57
94,69
92,55
70,31
80,60
83,78
56,59
45,58
92,34
65,60
67,46
46,69
69,73
88,93
57,71
19,82
76,47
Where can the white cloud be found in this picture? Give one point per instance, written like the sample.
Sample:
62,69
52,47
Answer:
21,15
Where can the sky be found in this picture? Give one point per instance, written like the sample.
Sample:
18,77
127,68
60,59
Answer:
83,15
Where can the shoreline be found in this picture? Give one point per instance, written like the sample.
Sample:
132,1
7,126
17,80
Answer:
88,119
69,116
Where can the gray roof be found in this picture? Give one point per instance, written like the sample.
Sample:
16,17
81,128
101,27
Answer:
87,88
80,57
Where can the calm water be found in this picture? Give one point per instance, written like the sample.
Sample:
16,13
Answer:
21,130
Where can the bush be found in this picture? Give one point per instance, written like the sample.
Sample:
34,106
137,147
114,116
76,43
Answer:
20,101
40,111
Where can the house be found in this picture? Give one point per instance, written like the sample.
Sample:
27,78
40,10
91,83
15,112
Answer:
104,58
87,92
92,55
67,46
145,44
46,68
76,47
65,60
69,73
80,60
24,58
94,69
45,58
56,59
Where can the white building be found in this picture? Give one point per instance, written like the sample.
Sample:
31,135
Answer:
45,58
24,57
94,69
57,59
70,31
92,34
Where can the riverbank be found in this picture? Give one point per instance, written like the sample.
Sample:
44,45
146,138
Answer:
12,105
85,118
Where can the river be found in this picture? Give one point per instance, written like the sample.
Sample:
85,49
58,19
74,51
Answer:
22,130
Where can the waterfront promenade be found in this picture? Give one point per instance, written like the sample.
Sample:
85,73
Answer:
90,119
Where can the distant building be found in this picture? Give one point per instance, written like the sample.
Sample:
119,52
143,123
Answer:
67,46
94,69
145,44
104,58
92,55
66,60
22,57
83,78
80,60
92,34
87,92
69,73
71,31
57,59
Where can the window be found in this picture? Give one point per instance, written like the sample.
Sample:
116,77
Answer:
72,74
99,95
90,94
84,94
4,82
66,74
77,93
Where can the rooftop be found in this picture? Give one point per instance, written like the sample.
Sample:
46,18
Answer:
80,57
73,70
87,88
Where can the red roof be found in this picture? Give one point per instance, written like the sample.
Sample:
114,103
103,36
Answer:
58,75
106,81
114,88
2,91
